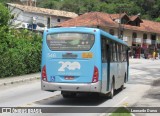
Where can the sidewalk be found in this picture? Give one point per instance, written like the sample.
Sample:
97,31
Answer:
139,61
152,96
150,99
19,79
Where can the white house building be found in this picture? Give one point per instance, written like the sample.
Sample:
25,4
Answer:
37,18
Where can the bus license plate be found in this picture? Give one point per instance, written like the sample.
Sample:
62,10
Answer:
68,77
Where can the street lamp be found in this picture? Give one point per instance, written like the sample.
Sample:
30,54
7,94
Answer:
120,27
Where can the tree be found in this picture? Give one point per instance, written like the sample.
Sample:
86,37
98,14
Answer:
4,15
108,8
149,9
51,4
79,6
157,19
20,50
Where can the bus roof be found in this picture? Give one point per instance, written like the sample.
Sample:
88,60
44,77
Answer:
81,29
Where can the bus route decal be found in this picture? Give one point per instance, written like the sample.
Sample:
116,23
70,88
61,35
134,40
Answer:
69,65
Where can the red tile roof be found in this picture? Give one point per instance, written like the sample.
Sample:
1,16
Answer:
136,17
151,26
116,16
44,10
90,19
93,19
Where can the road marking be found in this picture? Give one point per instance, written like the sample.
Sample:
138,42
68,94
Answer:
121,101
124,105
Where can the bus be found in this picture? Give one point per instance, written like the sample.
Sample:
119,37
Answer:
83,60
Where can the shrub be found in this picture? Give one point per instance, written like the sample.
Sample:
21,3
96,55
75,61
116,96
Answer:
20,52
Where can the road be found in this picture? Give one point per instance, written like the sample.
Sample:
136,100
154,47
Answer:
29,94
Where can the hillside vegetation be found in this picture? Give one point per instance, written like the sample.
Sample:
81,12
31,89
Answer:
149,9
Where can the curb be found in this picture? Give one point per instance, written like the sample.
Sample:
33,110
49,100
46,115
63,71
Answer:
18,81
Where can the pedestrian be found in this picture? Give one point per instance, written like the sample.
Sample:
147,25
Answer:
158,55
154,55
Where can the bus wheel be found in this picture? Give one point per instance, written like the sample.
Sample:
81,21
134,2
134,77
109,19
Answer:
111,94
122,87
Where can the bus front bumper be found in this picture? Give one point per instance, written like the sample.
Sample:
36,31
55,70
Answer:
80,87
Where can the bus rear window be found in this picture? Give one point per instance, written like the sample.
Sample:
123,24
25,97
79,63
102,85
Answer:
70,41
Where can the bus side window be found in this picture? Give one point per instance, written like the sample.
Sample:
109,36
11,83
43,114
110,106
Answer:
103,50
111,51
107,50
117,51
124,53
114,52
120,52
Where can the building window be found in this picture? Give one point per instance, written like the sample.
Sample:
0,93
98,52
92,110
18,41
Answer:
111,31
144,36
58,20
123,21
48,22
134,35
153,39
137,23
121,34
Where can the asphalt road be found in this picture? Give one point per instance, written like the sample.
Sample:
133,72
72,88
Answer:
29,94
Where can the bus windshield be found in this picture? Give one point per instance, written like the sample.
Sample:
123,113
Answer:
70,41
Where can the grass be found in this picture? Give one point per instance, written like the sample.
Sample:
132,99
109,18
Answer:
121,111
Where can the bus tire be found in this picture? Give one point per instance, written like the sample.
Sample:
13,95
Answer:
111,94
122,87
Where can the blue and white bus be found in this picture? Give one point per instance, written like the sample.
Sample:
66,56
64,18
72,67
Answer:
80,59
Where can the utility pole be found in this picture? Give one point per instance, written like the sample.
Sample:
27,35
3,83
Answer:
35,2
29,2
119,25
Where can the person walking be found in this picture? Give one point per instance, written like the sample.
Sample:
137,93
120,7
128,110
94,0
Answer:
154,55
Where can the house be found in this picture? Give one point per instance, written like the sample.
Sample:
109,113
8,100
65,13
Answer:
143,36
37,18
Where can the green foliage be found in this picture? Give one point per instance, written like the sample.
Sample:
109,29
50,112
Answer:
4,1
51,4
157,19
4,15
20,52
149,9
108,8
121,111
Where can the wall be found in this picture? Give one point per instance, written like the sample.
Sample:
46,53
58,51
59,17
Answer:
23,19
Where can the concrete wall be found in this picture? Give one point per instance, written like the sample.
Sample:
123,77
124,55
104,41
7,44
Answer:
24,18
